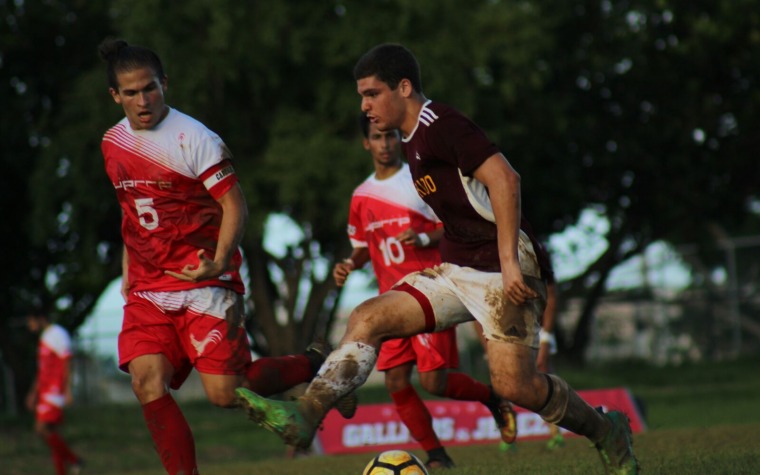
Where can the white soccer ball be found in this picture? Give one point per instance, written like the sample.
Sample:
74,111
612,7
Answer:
395,462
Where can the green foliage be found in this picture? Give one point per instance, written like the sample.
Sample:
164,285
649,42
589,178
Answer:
645,110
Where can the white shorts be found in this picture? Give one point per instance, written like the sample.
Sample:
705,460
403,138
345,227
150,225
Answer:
450,294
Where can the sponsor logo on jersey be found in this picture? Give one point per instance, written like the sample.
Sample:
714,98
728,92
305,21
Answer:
379,224
214,336
417,155
125,184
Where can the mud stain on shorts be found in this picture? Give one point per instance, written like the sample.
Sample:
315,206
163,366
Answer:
505,317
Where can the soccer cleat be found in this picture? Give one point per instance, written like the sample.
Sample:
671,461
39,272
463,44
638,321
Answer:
438,458
281,417
505,417
76,467
556,442
505,447
317,352
616,448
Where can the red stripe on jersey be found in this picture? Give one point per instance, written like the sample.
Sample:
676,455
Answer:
219,179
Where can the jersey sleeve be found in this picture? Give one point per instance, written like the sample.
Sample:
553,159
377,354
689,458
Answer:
457,140
355,227
58,341
219,179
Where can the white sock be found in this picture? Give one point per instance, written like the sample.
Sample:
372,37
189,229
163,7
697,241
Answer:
344,370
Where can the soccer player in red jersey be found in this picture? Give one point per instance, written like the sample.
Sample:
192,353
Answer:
393,228
51,390
183,215
490,271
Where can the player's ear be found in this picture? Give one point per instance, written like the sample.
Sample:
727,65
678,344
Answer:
365,143
405,88
165,83
115,94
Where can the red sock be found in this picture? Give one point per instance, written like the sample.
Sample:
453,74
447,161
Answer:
273,375
171,435
61,453
464,388
416,417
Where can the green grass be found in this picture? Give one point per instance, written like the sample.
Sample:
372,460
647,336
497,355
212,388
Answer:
702,419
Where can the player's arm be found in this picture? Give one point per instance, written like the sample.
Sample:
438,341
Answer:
429,239
503,185
234,218
359,257
548,344
31,396
66,378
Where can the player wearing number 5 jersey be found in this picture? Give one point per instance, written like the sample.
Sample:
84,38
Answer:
183,215
392,227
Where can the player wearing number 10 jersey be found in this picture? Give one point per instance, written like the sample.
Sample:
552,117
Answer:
390,225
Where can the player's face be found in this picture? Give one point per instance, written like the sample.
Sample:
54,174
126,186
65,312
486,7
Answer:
383,145
383,106
141,94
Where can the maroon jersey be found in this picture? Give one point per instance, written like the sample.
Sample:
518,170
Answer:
443,151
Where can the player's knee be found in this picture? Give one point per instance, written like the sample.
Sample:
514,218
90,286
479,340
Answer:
148,386
222,398
434,384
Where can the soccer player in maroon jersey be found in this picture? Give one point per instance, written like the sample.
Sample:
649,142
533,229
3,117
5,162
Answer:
183,215
490,271
393,228
51,390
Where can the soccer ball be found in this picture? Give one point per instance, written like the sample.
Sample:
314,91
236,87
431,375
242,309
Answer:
395,462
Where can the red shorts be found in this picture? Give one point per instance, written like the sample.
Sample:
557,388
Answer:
50,407
431,351
189,327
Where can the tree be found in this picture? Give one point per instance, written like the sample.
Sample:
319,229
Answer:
39,62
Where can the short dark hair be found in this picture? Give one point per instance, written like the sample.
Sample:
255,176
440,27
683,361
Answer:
120,56
390,63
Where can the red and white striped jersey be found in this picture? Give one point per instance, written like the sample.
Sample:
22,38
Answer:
167,180
380,210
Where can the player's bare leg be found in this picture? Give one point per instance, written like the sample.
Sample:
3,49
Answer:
393,314
514,376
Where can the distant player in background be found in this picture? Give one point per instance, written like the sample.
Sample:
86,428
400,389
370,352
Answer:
51,390
183,215
392,227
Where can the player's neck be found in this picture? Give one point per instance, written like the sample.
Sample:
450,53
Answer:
383,172
412,113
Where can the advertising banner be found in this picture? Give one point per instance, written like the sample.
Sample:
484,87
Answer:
377,427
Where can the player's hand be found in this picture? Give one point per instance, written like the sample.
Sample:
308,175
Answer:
341,271
409,237
206,269
31,401
515,288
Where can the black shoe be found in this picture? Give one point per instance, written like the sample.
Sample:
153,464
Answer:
438,458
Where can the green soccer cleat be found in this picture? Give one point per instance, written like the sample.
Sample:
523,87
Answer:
616,449
556,442
281,417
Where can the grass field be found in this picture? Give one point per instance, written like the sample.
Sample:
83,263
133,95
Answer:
702,419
